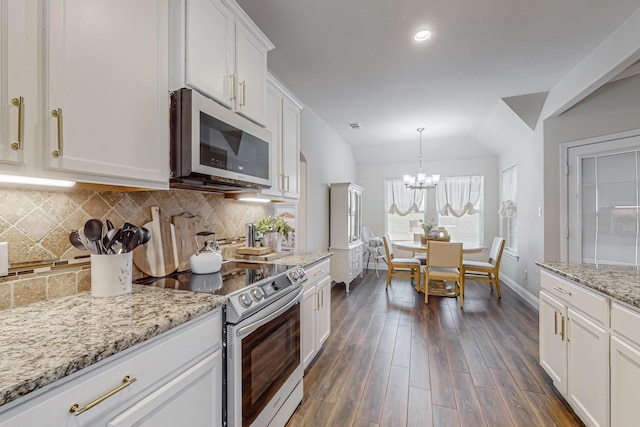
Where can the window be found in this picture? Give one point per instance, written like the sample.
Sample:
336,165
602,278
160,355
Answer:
460,211
508,209
459,201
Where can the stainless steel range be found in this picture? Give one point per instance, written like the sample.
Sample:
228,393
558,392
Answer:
263,379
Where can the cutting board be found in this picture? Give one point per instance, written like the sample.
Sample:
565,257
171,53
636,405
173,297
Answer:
267,257
252,251
186,227
159,257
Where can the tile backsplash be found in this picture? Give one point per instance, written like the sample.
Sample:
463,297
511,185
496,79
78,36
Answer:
36,224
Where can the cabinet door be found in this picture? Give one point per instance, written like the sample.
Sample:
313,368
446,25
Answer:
17,61
323,318
107,81
274,125
625,383
291,149
553,349
588,369
210,50
251,71
193,398
308,308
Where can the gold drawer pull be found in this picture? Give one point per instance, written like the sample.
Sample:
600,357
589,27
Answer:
126,382
555,323
233,87
58,114
244,93
19,102
562,291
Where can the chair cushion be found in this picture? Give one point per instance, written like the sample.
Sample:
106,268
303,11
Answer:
405,261
443,273
470,265
375,242
421,258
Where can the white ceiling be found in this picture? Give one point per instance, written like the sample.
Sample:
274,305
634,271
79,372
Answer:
355,61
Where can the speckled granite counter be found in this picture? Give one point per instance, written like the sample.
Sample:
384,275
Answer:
302,258
46,341
617,281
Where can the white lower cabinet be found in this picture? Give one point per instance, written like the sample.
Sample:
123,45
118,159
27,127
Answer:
315,321
173,379
625,366
574,346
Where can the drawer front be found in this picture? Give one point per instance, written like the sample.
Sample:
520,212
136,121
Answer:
626,322
150,365
596,306
318,271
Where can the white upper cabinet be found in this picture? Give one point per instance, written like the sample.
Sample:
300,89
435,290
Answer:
107,98
19,98
283,121
217,50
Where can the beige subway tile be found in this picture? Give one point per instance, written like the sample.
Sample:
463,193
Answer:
60,285
84,281
29,291
5,295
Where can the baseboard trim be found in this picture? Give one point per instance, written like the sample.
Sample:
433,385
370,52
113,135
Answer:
521,291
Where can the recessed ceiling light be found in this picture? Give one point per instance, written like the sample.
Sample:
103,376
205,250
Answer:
422,36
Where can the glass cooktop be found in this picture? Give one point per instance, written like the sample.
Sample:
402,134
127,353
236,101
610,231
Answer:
233,276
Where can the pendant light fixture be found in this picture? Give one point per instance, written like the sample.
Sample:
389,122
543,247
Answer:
420,181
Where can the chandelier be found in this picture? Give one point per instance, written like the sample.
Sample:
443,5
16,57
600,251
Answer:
420,181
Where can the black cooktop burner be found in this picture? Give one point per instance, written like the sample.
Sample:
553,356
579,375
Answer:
233,276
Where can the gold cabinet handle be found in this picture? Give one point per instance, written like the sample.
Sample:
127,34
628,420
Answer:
244,93
233,87
322,298
58,114
563,332
555,323
19,102
288,188
562,291
126,382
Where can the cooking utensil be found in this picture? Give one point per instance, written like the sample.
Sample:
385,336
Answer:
93,232
109,225
159,256
186,226
90,246
74,238
114,235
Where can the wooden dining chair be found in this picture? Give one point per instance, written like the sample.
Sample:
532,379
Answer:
444,262
488,271
400,267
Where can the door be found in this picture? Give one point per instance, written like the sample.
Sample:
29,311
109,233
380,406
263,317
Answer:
291,149
553,349
625,383
107,102
323,319
602,202
210,50
588,369
308,306
17,58
251,70
193,398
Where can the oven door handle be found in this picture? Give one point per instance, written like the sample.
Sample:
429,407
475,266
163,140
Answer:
246,330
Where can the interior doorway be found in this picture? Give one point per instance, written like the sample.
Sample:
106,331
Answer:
302,206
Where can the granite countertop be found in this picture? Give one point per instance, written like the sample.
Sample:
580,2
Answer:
302,258
46,341
620,282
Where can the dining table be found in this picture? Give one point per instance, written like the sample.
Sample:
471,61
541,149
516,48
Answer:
437,287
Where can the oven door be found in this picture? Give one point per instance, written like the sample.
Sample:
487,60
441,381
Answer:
263,362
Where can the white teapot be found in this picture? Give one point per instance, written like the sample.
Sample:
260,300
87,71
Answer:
208,259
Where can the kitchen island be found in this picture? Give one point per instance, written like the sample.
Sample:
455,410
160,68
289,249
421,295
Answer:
47,341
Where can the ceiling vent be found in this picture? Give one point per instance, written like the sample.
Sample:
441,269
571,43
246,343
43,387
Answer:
354,126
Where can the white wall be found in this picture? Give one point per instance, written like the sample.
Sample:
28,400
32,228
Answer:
372,177
329,159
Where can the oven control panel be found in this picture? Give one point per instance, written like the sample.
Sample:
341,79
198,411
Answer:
261,293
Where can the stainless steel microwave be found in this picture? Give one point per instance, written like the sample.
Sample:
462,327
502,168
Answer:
213,148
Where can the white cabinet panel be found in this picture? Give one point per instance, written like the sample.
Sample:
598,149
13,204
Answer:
291,148
308,339
315,311
108,88
251,70
553,350
323,319
625,383
210,49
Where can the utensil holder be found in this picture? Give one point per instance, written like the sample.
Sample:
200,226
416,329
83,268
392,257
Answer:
111,274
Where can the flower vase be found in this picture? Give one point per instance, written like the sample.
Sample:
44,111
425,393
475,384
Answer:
273,241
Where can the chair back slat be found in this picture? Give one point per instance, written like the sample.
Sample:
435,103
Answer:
444,254
495,254
388,249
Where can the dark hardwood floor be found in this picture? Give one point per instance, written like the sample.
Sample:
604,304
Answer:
391,360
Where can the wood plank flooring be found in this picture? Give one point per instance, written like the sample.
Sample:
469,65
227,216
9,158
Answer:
391,360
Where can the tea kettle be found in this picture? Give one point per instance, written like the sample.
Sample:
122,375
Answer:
208,259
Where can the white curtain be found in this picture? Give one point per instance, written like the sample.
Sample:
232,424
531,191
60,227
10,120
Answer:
402,201
458,195
508,207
